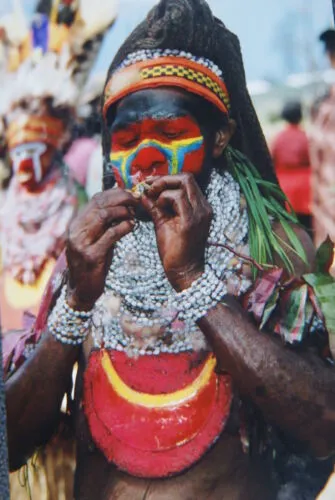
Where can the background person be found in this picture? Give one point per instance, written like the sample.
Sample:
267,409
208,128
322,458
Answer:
290,153
322,154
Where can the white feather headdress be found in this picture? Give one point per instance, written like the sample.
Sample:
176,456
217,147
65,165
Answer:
60,76
46,76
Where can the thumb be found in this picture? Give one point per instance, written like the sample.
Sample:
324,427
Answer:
151,208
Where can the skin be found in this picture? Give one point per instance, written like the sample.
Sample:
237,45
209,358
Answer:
293,390
331,57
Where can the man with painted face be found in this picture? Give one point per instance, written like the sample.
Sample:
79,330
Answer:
148,302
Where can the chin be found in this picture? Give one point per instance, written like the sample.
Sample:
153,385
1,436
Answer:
29,186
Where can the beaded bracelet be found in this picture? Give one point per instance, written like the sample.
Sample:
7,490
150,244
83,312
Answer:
67,325
204,294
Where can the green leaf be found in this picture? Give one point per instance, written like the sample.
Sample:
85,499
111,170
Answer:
270,307
276,208
295,242
324,289
292,323
324,256
263,200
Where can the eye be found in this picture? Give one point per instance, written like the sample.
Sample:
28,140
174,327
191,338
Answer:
124,140
172,133
129,142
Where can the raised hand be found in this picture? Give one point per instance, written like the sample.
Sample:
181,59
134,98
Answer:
182,217
105,220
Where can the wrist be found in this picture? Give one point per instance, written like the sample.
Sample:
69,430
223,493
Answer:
68,325
199,297
183,278
76,303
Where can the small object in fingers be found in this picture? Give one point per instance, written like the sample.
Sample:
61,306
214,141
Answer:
140,189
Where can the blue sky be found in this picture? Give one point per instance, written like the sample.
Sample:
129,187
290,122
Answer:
278,37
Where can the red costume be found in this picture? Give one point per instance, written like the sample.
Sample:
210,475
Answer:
291,159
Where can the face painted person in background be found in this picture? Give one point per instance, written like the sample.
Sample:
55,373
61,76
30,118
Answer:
150,306
39,204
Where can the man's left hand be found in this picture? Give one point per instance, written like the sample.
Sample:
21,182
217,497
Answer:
182,218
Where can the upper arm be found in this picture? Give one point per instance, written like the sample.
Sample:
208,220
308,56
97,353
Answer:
300,267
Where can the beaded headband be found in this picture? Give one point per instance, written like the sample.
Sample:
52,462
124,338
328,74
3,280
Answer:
29,128
161,68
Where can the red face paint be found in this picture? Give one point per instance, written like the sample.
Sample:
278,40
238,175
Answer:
156,147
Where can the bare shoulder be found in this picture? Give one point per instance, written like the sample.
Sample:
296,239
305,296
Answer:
300,266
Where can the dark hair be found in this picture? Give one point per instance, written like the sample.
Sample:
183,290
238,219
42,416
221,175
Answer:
65,13
189,25
292,112
328,38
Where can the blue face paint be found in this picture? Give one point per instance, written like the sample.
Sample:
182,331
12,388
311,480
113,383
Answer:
175,153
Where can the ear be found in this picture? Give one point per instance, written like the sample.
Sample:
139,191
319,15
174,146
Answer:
223,137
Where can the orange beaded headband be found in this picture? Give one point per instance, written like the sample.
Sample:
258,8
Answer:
148,69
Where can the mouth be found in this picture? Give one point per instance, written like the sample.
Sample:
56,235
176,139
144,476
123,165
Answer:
24,177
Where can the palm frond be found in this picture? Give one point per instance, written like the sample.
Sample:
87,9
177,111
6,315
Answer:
266,202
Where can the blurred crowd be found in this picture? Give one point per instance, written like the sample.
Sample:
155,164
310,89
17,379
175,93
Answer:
304,160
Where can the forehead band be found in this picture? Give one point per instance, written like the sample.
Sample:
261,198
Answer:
169,68
29,128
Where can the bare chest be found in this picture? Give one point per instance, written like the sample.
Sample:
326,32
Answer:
224,472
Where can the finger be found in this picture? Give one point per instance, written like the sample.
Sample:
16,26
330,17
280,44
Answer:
113,197
93,225
104,201
181,181
160,184
147,203
112,236
174,201
151,179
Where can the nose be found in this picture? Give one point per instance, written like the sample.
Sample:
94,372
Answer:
24,164
149,158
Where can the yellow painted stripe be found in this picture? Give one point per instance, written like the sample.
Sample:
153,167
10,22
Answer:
173,145
157,400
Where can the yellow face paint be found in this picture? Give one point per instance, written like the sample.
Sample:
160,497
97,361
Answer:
174,152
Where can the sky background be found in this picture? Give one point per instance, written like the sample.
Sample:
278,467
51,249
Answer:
278,37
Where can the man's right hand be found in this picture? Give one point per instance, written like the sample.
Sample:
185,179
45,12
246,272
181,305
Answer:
105,220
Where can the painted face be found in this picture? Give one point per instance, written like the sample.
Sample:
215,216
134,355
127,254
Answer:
33,140
154,141
29,163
